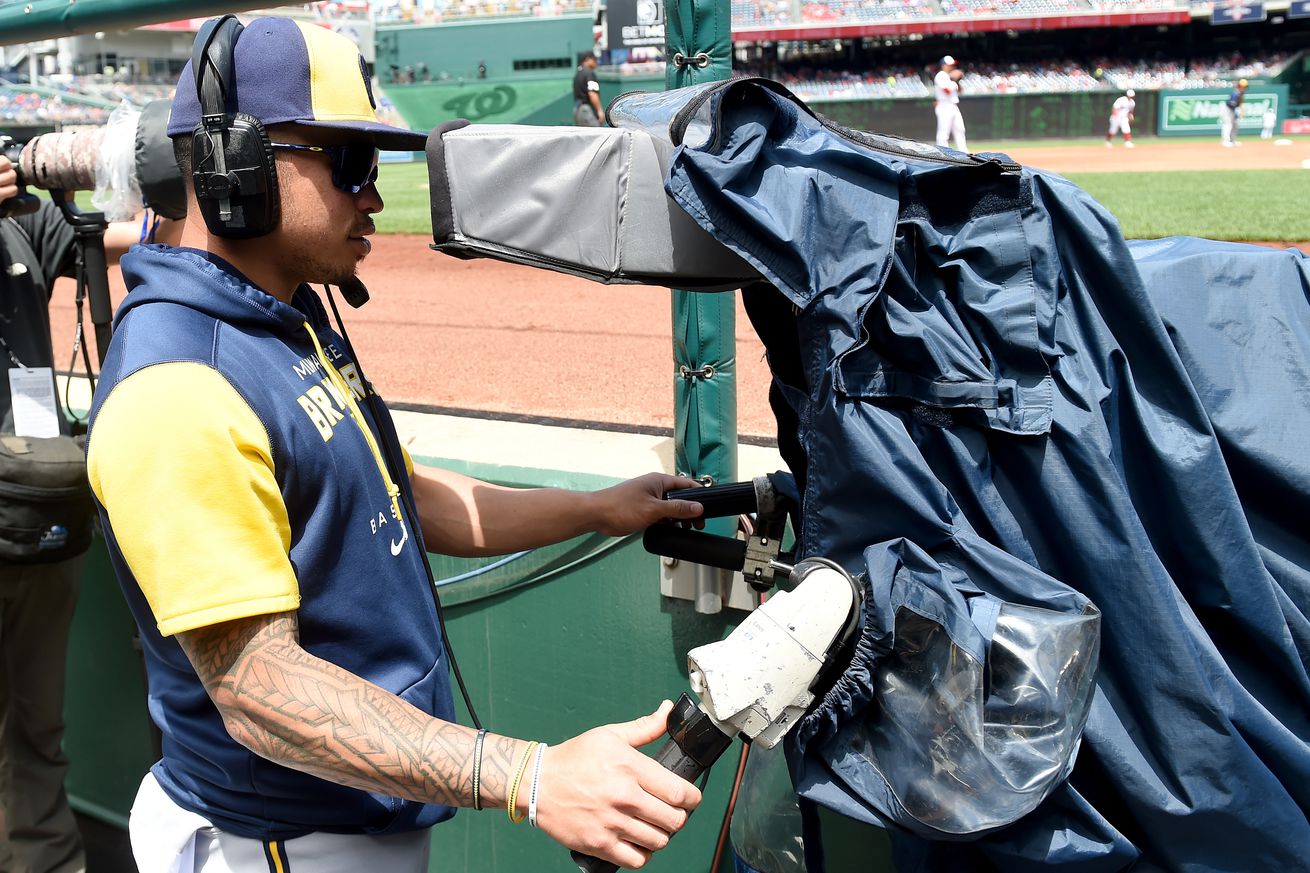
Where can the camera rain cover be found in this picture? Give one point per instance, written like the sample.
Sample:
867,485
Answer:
964,703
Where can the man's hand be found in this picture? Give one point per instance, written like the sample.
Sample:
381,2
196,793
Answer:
597,794
8,179
638,503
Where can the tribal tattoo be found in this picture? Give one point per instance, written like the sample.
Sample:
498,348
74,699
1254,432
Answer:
300,711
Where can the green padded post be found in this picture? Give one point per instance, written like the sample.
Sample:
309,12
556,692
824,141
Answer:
699,37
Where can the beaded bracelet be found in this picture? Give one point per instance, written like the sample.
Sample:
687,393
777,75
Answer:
518,779
477,768
536,778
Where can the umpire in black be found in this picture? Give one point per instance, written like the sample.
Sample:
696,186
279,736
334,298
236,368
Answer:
586,94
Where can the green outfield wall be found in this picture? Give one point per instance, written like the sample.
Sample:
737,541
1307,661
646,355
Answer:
987,117
521,99
1296,76
505,47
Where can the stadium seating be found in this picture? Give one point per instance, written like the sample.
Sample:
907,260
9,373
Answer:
20,106
1137,5
850,86
1012,7
1051,77
1217,72
757,13
437,11
861,11
1062,75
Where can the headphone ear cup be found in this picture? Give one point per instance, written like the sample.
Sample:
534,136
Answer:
247,189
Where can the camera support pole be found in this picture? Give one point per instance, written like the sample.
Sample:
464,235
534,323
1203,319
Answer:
89,228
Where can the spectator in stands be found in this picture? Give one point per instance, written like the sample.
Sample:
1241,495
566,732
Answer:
586,94
1230,113
946,90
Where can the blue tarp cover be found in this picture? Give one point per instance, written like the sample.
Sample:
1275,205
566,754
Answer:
976,376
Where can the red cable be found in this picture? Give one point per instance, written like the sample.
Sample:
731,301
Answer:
736,782
732,803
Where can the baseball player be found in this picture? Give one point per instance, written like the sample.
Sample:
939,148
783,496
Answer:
1269,121
1121,117
1229,113
946,86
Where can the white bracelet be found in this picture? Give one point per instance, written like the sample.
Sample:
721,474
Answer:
536,778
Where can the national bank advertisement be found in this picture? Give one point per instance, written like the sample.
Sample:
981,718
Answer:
1200,111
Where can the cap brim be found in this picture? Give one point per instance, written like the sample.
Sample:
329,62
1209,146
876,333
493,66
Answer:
384,136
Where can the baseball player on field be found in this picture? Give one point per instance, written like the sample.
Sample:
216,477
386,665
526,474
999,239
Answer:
1121,117
946,87
1229,114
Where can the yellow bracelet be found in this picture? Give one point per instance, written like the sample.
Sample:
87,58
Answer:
516,818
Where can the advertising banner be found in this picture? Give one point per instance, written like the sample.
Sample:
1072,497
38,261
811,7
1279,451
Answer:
1237,12
1198,112
1299,9
634,23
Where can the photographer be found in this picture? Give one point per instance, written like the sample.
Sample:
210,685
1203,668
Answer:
37,591
270,533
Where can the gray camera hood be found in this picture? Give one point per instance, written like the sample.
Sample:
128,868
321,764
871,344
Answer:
585,201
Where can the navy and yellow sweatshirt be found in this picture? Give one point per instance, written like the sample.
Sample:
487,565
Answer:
239,472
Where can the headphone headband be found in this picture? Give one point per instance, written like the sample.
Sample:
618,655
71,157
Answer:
233,170
212,65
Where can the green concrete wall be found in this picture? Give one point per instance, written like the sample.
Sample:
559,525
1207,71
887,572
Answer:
545,100
524,99
458,48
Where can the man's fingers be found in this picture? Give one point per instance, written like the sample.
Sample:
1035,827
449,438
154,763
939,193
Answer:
646,729
626,855
644,836
665,813
670,790
682,509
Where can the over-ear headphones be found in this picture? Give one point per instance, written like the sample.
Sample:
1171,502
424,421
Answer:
232,164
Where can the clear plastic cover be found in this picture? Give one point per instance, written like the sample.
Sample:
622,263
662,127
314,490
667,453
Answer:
966,748
117,192
653,113
766,822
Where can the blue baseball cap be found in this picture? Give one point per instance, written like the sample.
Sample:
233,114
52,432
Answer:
290,72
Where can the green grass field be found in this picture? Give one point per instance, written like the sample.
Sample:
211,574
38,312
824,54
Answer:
1148,142
1266,205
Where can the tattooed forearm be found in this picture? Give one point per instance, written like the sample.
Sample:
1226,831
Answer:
300,711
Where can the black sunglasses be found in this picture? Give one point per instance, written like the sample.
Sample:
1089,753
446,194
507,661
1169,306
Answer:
354,166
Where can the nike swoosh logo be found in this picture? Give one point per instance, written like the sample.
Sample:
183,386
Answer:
404,538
